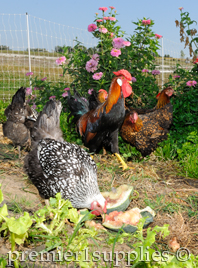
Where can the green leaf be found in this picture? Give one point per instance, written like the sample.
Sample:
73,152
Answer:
73,215
3,212
21,225
3,226
19,239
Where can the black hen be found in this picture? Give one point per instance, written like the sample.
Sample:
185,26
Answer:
20,117
56,166
79,106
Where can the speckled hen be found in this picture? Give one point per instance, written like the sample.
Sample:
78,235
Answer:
56,166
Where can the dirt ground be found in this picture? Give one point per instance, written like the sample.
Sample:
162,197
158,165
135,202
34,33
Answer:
156,184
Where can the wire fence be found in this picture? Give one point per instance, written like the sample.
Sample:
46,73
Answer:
28,43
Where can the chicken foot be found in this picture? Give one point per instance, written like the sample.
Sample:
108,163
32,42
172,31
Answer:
124,165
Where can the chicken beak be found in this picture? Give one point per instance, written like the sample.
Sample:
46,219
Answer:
130,82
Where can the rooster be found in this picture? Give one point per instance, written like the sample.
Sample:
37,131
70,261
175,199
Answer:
20,117
146,130
56,166
99,127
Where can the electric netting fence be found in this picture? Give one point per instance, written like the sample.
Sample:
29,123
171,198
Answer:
28,43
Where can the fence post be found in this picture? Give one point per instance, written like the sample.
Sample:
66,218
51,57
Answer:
162,62
28,39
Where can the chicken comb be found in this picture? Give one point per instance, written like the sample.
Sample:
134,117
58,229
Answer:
102,90
125,73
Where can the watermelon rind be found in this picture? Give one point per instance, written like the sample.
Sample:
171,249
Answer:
149,215
120,198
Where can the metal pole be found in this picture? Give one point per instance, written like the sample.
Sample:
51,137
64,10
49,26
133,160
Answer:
28,39
162,62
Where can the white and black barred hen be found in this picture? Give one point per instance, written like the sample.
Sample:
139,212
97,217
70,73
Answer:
20,118
56,166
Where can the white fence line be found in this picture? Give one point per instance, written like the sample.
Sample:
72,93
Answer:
28,43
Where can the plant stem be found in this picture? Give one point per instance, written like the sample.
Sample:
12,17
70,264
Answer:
12,239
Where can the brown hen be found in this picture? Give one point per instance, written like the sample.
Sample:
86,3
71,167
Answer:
146,130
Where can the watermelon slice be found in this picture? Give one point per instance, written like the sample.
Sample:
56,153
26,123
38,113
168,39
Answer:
119,199
127,220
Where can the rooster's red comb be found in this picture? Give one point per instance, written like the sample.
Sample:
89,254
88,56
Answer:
125,73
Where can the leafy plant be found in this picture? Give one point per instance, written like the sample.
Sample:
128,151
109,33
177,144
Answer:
145,252
17,228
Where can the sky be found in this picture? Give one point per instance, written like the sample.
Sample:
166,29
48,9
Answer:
81,13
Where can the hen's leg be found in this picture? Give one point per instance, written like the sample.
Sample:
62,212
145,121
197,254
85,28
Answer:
115,149
124,165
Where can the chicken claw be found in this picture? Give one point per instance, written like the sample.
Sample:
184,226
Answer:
124,165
